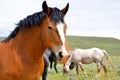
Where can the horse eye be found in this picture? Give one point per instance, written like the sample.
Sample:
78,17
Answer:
49,27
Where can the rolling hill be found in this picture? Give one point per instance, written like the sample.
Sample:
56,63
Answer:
111,45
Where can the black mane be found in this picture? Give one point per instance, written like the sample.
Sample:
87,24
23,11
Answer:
35,20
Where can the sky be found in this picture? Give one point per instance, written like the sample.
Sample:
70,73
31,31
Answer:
84,17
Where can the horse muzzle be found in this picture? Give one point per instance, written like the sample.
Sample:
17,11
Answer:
65,71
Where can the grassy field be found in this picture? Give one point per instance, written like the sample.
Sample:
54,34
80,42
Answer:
112,46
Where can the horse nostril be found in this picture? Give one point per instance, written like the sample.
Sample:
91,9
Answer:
60,54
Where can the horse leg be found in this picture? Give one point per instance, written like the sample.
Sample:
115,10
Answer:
104,67
82,68
98,68
77,69
46,64
55,64
51,62
44,74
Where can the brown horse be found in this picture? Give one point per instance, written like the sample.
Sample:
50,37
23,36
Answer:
21,53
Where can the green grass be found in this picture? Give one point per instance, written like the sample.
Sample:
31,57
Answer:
91,70
111,45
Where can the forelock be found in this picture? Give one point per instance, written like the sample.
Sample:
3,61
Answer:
56,15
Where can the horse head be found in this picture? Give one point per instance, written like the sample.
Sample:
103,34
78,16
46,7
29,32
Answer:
54,32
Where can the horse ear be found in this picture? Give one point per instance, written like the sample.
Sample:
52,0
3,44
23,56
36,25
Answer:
45,8
65,9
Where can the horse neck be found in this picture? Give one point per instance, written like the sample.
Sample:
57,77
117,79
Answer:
68,61
67,47
28,45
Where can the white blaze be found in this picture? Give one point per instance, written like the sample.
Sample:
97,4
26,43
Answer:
60,27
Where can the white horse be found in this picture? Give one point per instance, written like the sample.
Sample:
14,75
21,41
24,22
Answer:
87,56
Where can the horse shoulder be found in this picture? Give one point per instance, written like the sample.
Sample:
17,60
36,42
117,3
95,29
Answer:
75,57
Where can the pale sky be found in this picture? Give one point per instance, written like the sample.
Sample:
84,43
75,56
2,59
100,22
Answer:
84,17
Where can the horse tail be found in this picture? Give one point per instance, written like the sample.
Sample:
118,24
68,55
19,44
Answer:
108,58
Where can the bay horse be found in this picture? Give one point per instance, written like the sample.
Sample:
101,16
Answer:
87,56
21,53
